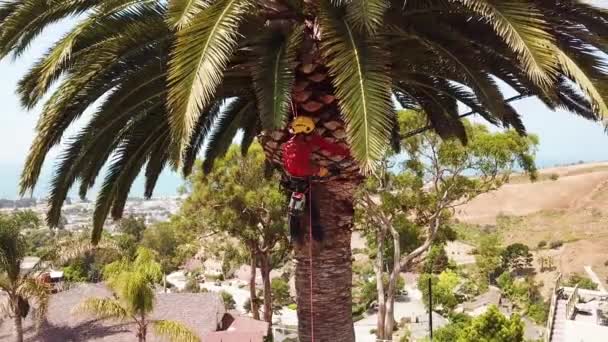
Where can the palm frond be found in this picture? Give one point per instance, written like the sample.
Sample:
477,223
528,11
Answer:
174,331
135,292
200,55
226,128
35,290
103,308
362,85
158,159
97,42
367,15
521,26
181,12
574,71
273,76
22,21
201,132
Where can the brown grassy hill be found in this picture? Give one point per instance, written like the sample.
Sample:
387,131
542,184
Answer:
568,204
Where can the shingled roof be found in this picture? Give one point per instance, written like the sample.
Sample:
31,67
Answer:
201,312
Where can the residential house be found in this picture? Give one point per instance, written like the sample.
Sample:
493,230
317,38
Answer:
203,313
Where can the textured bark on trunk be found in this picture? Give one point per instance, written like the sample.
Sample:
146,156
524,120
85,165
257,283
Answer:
313,95
330,318
389,320
255,310
18,328
265,270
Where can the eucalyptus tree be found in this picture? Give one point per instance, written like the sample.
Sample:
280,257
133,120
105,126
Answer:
173,76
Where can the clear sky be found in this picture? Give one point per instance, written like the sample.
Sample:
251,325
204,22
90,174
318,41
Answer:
564,138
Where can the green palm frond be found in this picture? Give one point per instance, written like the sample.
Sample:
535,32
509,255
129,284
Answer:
73,248
367,15
103,307
22,21
13,247
464,67
573,71
158,159
250,131
362,86
572,100
521,26
145,263
226,128
181,12
200,134
441,110
113,34
273,76
201,53
174,331
134,290
36,291
77,93
89,150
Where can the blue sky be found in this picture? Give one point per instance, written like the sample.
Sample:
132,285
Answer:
564,138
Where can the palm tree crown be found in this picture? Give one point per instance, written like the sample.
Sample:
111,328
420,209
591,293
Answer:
173,76
132,283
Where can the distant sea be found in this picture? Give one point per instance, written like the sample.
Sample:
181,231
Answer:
168,183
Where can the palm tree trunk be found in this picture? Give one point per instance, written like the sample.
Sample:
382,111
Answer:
265,270
255,310
330,316
18,328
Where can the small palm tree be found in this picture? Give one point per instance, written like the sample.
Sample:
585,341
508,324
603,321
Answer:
131,282
21,288
170,78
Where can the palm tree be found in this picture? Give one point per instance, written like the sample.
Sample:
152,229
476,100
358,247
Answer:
134,298
173,76
21,288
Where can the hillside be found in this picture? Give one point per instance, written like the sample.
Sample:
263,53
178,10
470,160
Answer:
568,204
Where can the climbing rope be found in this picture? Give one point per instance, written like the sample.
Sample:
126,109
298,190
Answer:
312,312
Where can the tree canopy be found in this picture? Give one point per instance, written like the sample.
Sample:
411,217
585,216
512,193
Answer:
162,72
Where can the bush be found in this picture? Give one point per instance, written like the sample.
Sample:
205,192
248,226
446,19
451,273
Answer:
556,244
542,244
192,286
228,300
554,176
539,312
292,306
582,282
280,292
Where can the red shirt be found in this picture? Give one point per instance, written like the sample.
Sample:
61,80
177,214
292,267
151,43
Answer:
297,151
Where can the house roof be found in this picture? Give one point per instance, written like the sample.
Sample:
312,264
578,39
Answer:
248,324
201,312
233,336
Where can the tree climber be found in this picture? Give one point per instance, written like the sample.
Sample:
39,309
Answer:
300,169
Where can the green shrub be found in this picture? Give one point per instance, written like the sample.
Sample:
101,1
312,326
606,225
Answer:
542,244
582,282
228,300
539,312
292,306
556,244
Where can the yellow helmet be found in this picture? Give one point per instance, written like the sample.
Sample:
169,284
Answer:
302,124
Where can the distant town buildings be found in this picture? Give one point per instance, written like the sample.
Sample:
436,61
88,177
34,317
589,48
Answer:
78,215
